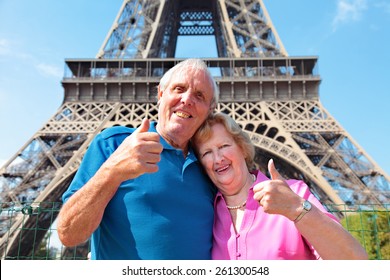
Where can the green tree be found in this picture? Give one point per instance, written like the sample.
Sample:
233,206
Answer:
44,250
372,230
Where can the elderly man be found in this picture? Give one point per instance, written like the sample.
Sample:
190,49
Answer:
141,193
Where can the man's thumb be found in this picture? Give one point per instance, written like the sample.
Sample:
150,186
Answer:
144,127
273,172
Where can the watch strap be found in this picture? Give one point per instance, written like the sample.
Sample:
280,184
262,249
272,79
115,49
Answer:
305,209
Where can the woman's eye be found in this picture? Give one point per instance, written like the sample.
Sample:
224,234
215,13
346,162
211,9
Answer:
205,154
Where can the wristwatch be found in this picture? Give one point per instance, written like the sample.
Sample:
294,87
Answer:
306,207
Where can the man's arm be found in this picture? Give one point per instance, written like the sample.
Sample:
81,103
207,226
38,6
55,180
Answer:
82,213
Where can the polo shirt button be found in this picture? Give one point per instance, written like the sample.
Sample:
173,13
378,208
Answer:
238,255
238,235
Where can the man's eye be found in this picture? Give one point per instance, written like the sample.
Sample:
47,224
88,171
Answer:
200,95
178,89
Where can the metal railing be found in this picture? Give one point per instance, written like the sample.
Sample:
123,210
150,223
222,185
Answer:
36,236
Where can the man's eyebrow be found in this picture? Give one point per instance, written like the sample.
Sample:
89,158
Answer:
181,84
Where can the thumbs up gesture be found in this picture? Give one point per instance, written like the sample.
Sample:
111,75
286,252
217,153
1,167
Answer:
139,153
275,175
275,196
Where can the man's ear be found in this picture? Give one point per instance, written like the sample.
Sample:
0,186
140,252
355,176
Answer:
159,92
212,108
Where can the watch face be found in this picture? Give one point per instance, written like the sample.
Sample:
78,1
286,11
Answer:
307,205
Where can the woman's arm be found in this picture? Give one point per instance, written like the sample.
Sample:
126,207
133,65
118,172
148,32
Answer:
327,236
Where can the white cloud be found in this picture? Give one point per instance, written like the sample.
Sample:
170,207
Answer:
4,47
3,99
349,11
49,70
10,49
385,6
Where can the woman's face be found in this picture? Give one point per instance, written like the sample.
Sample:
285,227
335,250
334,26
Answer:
223,161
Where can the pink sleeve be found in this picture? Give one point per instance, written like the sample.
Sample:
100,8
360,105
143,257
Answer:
300,188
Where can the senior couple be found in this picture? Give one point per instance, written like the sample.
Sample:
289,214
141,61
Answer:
149,193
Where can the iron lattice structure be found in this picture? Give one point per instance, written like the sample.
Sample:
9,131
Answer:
274,97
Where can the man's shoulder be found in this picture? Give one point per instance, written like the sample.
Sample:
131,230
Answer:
116,131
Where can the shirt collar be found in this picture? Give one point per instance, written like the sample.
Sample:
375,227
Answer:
167,146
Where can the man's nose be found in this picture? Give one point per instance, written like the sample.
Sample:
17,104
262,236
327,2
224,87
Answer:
188,97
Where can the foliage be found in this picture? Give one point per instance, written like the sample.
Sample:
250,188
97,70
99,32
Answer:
372,230
44,251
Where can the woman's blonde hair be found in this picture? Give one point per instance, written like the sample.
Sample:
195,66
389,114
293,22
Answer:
239,136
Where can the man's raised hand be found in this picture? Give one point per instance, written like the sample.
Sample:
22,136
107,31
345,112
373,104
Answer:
139,153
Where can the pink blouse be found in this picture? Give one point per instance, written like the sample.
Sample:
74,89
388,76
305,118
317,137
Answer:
262,236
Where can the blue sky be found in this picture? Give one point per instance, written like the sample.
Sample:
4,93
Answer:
350,37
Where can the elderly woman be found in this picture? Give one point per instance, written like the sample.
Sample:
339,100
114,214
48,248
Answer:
261,218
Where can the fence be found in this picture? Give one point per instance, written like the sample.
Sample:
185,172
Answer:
28,232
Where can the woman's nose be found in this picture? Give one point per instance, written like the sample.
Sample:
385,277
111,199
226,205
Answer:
218,157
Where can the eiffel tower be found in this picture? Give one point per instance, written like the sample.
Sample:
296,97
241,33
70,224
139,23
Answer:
274,97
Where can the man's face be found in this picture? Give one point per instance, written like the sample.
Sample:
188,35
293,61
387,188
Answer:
184,105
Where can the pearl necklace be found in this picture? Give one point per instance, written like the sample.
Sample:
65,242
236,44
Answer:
236,207
242,204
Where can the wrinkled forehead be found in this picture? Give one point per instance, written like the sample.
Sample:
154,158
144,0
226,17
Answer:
190,73
209,131
193,76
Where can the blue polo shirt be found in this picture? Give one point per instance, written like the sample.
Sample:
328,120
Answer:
166,215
